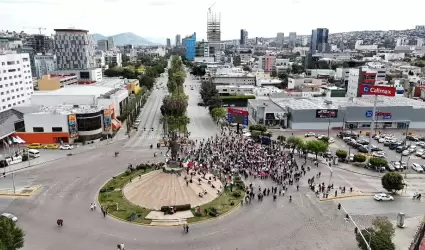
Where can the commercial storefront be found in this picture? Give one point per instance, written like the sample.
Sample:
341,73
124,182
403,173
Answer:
337,113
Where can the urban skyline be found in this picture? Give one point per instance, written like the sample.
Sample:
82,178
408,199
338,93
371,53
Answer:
183,15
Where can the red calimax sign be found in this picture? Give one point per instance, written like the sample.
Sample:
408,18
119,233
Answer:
366,89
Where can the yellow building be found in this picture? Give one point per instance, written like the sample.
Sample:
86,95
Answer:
54,82
133,86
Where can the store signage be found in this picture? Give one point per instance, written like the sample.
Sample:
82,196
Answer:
384,115
237,116
326,113
72,125
366,89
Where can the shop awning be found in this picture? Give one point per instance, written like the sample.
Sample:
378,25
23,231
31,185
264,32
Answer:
20,141
116,124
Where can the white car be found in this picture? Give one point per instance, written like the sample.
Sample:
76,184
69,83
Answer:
380,154
66,147
383,197
310,134
406,152
419,152
331,140
417,168
10,216
381,140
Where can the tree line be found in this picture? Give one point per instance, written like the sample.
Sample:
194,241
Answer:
174,105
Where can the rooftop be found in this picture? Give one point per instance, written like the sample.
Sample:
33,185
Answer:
341,102
78,90
64,109
71,30
112,82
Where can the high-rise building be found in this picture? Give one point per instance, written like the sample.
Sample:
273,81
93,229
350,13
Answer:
111,43
214,30
178,40
280,38
44,65
74,49
168,42
16,80
292,38
190,43
40,44
319,40
244,37
106,44
202,49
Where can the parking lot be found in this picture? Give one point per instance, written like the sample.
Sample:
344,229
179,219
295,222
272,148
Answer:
389,154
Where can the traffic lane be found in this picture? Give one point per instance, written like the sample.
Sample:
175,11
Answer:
369,206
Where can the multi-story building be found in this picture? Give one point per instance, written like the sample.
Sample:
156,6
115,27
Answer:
178,40
245,56
267,63
44,65
280,39
168,43
16,86
102,45
74,49
214,31
111,43
360,76
202,49
54,82
128,48
319,40
99,57
292,38
40,44
244,37
190,42
113,58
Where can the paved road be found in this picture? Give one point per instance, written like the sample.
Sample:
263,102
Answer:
71,184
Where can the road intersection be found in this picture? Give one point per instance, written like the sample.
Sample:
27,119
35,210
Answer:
72,183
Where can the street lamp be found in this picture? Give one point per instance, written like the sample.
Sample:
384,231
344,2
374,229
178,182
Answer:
349,218
404,141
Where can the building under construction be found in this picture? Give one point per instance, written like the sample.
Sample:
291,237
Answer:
214,30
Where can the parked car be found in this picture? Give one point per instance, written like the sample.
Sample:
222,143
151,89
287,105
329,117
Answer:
66,147
51,146
379,155
412,138
310,134
35,145
383,197
9,216
331,140
396,165
405,152
419,152
417,168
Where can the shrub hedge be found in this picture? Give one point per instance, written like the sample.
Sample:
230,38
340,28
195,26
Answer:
179,208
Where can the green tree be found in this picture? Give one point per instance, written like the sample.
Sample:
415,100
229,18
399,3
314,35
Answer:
218,114
342,154
257,127
317,147
359,158
12,237
209,94
294,142
378,240
273,74
392,182
147,81
384,225
297,69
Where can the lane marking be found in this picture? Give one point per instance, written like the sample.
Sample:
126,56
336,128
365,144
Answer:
62,194
47,190
117,236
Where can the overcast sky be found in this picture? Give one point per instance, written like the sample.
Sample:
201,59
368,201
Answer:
166,18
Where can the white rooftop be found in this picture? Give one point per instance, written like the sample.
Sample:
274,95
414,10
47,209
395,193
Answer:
340,102
68,109
91,90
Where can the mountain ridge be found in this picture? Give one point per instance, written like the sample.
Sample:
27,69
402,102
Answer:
125,38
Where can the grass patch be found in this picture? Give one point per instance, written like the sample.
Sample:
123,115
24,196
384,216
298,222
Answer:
125,208
222,204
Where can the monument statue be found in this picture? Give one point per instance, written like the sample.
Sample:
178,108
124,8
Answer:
174,146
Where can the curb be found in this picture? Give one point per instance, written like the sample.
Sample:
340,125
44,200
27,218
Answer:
347,196
44,162
376,176
165,226
37,187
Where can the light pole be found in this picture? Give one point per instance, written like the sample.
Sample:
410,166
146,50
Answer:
404,141
359,231
329,125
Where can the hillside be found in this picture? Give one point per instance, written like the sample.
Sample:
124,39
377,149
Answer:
125,38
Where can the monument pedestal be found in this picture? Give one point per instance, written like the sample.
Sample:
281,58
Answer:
172,166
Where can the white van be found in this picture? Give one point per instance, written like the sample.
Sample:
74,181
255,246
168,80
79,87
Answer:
33,153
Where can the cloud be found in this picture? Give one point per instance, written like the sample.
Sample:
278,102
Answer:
26,2
160,3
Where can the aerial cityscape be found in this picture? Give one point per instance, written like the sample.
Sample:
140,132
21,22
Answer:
112,138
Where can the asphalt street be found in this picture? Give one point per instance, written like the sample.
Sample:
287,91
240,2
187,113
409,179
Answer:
71,184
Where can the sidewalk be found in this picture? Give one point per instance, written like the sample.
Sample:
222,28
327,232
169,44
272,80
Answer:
404,236
59,154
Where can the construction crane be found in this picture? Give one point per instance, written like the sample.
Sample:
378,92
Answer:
37,28
209,9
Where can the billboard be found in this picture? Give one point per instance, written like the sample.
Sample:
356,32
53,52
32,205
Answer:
107,120
326,113
72,125
237,116
384,115
366,89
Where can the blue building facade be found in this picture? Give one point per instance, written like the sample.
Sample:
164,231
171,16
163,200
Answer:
190,47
